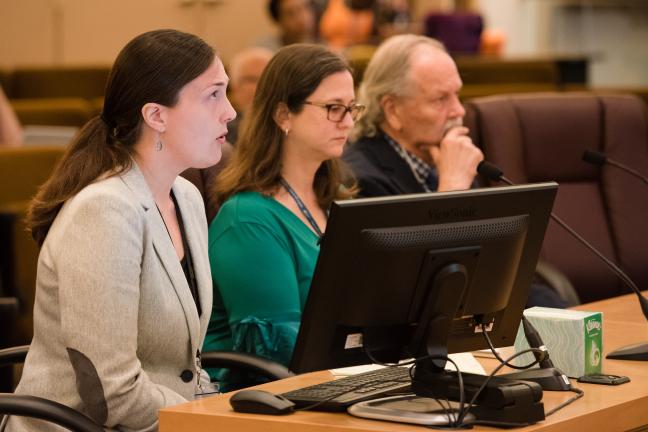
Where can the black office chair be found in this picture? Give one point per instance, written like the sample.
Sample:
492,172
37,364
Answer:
35,407
216,359
213,359
44,409
246,363
8,314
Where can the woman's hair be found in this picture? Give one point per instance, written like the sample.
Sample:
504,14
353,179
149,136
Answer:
152,68
387,74
292,75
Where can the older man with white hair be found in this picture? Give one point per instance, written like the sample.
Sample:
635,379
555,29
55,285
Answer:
410,138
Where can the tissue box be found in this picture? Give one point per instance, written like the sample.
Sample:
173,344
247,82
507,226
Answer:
574,339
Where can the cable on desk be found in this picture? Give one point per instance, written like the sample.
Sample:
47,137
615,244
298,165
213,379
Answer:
506,363
579,394
492,374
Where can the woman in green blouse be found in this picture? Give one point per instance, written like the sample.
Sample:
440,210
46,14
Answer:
283,176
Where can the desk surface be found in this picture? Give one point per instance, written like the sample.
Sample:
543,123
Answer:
621,407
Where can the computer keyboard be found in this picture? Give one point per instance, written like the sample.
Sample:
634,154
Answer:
352,389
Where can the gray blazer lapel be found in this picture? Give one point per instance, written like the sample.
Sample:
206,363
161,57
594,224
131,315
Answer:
196,232
163,246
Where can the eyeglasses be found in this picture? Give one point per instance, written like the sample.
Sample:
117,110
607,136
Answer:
335,112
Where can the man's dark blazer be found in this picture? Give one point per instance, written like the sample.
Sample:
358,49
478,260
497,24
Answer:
379,170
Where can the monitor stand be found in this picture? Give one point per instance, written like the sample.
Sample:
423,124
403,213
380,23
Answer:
410,409
501,399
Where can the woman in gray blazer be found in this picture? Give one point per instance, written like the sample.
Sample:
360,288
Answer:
124,292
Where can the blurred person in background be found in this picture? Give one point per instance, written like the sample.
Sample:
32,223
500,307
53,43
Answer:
10,129
393,17
295,20
348,22
245,71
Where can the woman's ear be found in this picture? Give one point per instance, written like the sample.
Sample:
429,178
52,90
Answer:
392,112
154,116
282,117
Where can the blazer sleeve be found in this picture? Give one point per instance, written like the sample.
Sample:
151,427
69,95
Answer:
98,264
372,181
375,186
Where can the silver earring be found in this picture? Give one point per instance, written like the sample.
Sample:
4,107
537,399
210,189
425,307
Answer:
158,145
286,131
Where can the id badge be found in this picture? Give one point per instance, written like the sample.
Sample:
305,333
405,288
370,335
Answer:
206,387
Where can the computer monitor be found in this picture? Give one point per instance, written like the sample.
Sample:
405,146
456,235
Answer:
413,275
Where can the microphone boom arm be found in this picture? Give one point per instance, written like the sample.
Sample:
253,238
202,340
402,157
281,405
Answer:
635,352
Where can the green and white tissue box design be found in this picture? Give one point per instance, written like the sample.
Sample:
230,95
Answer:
574,339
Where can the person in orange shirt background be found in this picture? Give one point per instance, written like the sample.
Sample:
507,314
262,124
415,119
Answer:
347,22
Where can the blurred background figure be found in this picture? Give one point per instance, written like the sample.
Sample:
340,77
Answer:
245,70
348,22
493,42
459,31
10,129
295,20
393,17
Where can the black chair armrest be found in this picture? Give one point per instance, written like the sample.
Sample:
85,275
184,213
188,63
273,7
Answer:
13,355
246,362
44,409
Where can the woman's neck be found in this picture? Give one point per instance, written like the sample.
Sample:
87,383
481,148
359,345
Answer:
159,180
300,175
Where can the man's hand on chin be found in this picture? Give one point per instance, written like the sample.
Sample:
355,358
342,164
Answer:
456,159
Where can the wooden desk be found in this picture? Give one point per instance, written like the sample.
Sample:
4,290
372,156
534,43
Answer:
603,408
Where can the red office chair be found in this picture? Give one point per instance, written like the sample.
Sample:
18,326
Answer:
539,137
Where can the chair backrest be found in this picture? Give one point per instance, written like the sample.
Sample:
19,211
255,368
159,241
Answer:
49,82
542,137
53,111
204,180
22,171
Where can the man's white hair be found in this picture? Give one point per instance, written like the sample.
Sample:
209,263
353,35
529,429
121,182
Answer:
388,73
242,57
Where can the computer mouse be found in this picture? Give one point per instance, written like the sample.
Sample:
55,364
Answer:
261,402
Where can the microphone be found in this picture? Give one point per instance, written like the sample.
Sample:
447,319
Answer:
634,352
535,341
597,158
547,375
